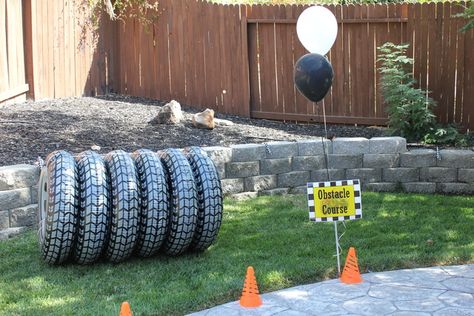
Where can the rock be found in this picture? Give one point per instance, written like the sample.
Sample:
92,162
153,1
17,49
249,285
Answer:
170,114
204,119
96,148
221,122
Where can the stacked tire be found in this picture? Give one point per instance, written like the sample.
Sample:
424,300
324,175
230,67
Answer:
93,207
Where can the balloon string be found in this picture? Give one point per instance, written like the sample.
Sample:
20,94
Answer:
326,154
326,158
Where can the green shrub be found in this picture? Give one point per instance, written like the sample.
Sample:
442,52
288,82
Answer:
409,108
448,135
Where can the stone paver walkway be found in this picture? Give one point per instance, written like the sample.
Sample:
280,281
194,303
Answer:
438,291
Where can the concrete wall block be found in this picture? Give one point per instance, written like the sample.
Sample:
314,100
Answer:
419,187
382,187
305,163
272,192
220,168
418,158
366,175
242,169
218,154
401,175
248,152
293,179
18,176
275,166
387,145
259,183
24,216
466,175
4,220
322,175
15,198
381,160
232,186
350,145
314,147
438,174
299,190
281,149
34,194
339,161
455,188
456,158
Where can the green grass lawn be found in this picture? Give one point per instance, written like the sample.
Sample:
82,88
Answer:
271,233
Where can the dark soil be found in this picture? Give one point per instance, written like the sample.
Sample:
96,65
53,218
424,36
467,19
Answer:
34,129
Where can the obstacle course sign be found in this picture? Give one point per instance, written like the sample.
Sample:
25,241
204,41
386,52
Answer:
334,201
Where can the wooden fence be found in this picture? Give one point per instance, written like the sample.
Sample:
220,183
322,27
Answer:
13,85
355,95
196,53
66,59
239,59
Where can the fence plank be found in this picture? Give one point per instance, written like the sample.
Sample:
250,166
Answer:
468,111
337,61
4,78
450,63
459,67
372,70
303,106
69,75
12,47
285,63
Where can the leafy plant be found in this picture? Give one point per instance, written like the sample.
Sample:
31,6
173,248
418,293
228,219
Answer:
468,14
409,108
146,11
446,135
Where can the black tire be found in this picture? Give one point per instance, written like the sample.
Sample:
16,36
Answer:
125,206
58,207
183,201
210,203
93,209
154,202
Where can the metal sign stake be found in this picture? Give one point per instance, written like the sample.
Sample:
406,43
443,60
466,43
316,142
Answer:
337,249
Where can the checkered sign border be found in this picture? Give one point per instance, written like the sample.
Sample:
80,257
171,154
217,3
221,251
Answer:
357,200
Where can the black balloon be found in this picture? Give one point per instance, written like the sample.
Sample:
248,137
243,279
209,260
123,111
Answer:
313,76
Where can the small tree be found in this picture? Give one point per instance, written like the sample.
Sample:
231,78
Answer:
409,109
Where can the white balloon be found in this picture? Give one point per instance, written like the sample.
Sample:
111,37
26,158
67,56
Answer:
317,29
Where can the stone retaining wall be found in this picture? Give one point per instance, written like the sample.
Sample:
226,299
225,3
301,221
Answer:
18,198
382,164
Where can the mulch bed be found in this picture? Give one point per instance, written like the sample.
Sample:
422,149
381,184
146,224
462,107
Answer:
34,129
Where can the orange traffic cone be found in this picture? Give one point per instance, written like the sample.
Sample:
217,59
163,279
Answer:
351,274
125,310
250,296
